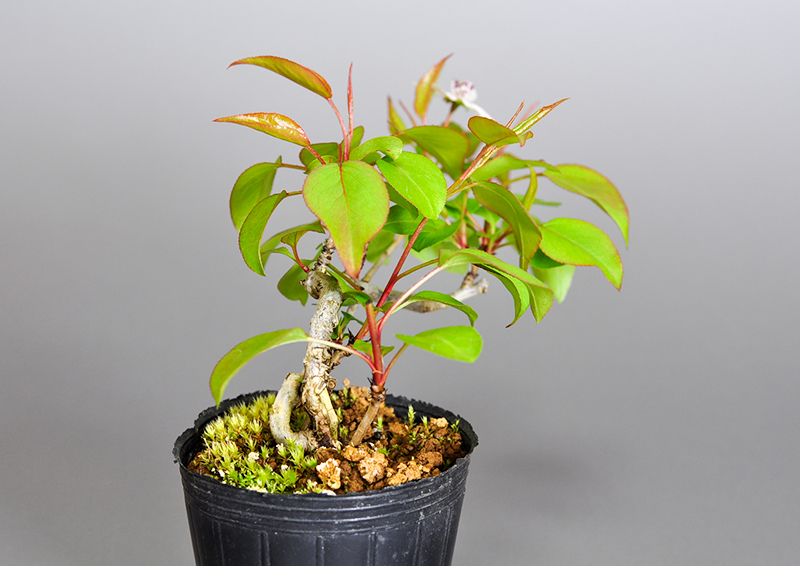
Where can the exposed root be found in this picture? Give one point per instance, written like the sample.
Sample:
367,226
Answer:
286,400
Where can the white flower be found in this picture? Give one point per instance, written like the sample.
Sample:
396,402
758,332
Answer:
463,93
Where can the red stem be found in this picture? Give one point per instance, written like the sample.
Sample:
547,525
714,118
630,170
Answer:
341,123
401,261
348,145
378,377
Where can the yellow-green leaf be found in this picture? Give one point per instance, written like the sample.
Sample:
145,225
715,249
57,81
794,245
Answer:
528,123
576,242
418,180
350,198
502,202
462,343
450,147
234,360
253,230
491,132
250,188
594,186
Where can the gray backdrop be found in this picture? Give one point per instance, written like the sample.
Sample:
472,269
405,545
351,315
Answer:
658,425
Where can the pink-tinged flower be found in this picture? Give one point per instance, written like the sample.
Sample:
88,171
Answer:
463,93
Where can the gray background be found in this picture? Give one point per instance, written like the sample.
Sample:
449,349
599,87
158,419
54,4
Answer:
658,425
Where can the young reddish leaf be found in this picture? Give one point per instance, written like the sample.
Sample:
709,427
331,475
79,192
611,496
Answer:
425,88
396,124
448,146
502,202
528,123
462,343
418,180
250,188
294,72
351,200
576,242
253,230
234,360
273,124
591,184
495,133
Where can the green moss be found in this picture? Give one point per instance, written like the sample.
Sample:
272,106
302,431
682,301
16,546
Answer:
239,450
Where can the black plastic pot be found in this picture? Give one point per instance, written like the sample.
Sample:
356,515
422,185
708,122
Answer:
410,524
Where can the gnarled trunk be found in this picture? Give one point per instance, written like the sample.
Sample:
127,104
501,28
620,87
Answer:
313,386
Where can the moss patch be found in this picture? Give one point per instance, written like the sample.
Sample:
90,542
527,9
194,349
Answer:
238,449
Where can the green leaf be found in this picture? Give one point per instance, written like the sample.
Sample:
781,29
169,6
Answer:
325,149
366,348
351,200
591,184
447,145
292,237
445,300
278,125
396,124
293,71
528,123
502,202
353,297
418,180
491,132
541,296
251,187
462,343
576,242
518,290
402,221
271,245
397,198
388,145
557,278
503,164
253,230
541,261
265,253
425,88
379,244
477,209
234,360
435,231
289,285
358,133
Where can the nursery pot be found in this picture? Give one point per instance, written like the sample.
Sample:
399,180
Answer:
411,524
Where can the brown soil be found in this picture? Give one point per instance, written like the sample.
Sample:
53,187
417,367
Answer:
393,454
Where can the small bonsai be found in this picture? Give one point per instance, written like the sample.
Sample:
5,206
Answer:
444,194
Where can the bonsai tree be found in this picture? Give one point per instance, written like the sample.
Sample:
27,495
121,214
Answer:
453,197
